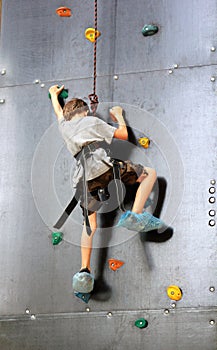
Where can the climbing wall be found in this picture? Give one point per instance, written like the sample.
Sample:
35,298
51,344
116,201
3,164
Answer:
166,84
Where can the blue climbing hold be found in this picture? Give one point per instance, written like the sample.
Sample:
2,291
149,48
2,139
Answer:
83,296
140,222
149,29
83,282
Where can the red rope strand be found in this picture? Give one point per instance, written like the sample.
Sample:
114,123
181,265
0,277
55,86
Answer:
93,97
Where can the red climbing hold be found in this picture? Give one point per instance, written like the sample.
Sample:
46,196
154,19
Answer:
63,11
115,264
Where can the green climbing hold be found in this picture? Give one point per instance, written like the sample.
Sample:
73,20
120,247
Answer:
141,323
64,94
57,237
149,29
83,296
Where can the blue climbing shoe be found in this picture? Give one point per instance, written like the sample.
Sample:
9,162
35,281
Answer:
140,222
83,282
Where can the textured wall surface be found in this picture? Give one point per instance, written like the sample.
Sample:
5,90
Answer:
166,84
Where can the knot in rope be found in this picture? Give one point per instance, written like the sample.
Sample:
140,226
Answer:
93,102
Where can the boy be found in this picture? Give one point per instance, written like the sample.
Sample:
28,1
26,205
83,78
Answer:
81,132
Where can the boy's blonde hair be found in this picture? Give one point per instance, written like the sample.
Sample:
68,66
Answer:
75,106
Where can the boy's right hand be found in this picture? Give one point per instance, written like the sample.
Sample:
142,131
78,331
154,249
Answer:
116,114
55,90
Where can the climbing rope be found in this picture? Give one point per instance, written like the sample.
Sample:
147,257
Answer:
93,97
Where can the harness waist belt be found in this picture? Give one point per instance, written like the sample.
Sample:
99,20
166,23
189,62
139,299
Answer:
74,201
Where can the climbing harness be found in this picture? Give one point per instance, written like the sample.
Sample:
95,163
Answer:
93,97
85,152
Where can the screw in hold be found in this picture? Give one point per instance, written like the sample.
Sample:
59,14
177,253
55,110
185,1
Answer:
36,81
166,312
109,314
175,66
116,77
2,100
212,79
170,71
212,289
33,317
212,322
3,71
212,190
42,85
27,311
173,305
212,199
212,182
212,223
87,309
213,49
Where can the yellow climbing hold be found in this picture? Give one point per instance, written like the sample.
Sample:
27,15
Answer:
174,293
91,34
144,142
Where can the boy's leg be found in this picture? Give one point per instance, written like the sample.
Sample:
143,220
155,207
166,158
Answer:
83,281
147,181
137,220
86,242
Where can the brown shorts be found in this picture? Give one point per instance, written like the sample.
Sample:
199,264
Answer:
129,174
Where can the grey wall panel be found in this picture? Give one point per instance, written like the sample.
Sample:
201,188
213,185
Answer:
26,251
82,332
187,31
178,100
41,45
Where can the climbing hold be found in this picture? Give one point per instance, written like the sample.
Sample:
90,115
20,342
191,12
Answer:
64,94
83,296
212,222
63,11
141,323
91,34
115,264
57,237
149,29
174,293
144,142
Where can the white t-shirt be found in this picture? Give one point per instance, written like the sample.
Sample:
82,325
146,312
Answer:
81,131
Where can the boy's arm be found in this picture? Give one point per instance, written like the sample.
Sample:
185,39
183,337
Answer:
54,92
116,115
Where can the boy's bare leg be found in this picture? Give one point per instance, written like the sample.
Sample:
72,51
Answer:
86,242
144,190
137,220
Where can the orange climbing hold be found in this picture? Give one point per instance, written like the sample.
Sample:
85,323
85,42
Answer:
63,11
115,264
